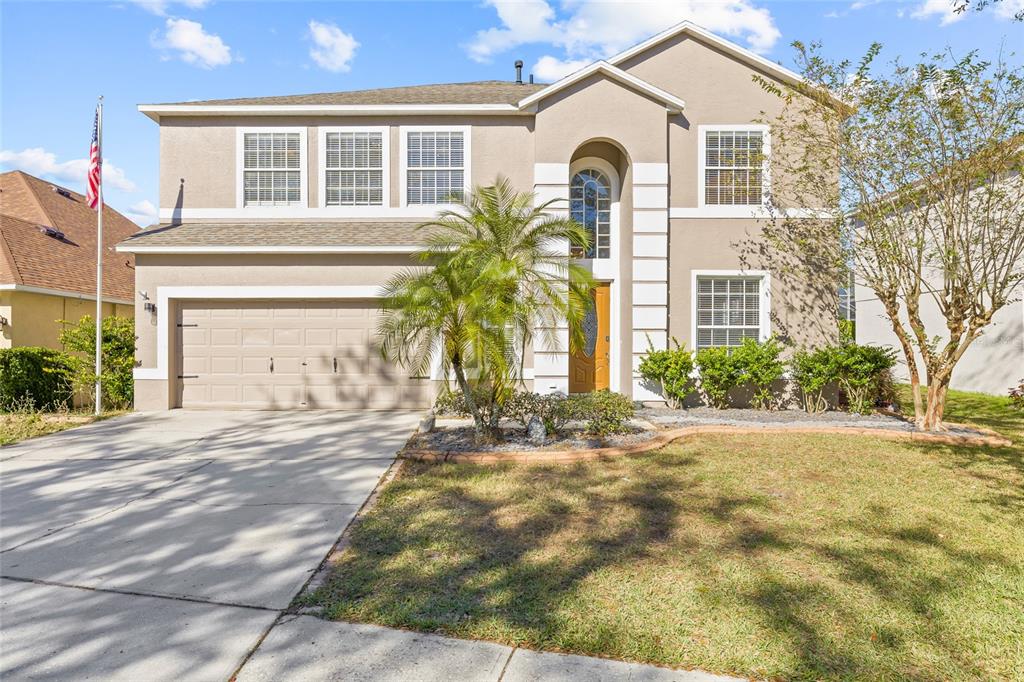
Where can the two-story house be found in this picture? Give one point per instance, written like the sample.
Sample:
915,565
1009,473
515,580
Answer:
284,215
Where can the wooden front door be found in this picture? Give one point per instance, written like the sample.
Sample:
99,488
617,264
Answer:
589,367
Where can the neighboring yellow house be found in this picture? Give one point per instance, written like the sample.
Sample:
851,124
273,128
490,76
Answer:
48,261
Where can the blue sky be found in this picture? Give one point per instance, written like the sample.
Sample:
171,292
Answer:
58,56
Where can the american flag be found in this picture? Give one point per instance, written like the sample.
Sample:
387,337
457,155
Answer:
92,195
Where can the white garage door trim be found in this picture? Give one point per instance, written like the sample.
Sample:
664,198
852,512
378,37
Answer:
167,294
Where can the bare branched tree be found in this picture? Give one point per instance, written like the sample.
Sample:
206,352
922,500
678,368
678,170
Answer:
929,203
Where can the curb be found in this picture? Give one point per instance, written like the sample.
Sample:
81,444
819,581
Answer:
987,438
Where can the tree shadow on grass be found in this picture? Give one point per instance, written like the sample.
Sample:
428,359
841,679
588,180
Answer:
530,555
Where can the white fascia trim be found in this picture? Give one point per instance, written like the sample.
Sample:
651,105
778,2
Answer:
702,132
403,163
271,213
62,293
673,103
407,248
765,313
240,167
321,163
155,111
166,294
727,46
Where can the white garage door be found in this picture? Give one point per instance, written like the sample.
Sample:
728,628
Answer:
286,355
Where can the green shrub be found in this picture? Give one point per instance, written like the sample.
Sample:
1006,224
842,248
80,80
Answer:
605,412
672,370
863,372
813,372
847,331
454,403
34,378
118,349
758,364
549,408
718,375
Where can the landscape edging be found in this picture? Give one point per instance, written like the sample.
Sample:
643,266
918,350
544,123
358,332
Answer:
988,438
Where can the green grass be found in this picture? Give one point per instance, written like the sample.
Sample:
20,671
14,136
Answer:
782,556
19,426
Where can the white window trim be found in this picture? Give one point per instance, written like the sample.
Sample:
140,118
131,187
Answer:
403,170
764,302
738,210
240,167
385,133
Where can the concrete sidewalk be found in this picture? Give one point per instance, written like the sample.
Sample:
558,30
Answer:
308,648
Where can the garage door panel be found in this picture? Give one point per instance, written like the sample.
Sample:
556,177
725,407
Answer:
324,354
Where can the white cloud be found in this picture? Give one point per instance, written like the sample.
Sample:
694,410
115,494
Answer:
193,44
159,7
1008,9
592,29
37,161
939,8
333,49
142,212
550,69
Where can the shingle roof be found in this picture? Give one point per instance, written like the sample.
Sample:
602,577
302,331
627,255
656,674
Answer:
478,92
30,257
269,235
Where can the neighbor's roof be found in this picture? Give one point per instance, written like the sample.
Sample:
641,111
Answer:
29,258
270,237
477,92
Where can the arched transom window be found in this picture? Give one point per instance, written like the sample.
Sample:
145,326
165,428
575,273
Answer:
590,203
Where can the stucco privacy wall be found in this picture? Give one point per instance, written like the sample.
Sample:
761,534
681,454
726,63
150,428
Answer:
34,319
718,89
599,109
992,364
198,155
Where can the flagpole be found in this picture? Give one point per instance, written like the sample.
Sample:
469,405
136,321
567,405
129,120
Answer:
99,260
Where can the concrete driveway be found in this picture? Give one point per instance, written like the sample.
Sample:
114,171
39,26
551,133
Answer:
163,546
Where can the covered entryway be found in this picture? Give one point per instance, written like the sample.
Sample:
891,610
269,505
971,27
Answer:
288,354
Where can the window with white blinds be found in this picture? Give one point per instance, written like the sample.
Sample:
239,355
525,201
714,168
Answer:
734,167
435,167
272,168
354,169
728,310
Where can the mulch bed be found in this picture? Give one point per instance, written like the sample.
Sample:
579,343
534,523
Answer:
456,443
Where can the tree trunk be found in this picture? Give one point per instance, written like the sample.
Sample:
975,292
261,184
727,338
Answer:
467,395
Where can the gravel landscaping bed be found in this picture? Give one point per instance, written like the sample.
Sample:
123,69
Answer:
460,439
696,416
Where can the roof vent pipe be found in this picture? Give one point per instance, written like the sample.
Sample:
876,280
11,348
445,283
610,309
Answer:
519,72
531,79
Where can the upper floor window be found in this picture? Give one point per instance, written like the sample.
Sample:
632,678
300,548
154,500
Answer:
272,168
590,202
729,309
733,165
354,168
435,166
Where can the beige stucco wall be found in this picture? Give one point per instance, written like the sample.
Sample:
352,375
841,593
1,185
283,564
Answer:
802,314
34,319
717,88
198,155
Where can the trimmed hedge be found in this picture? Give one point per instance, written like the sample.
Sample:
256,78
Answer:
34,378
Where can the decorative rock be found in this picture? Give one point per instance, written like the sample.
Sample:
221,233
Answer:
427,423
535,431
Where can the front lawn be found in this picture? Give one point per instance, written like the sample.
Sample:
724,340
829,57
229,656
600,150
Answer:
782,556
18,426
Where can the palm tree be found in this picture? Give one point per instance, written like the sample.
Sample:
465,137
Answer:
496,273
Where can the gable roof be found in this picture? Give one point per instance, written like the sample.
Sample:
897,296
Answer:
673,103
31,258
699,32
